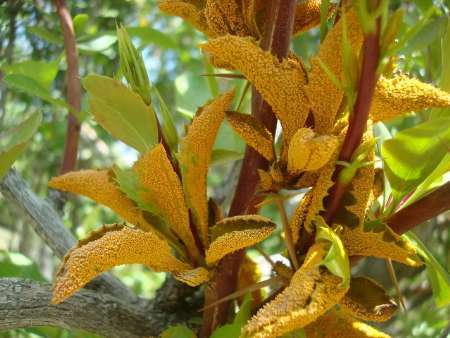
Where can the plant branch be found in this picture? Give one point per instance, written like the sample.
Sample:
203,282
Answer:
422,210
26,303
358,120
48,225
73,88
276,38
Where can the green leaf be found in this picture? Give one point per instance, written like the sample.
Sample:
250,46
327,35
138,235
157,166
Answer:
438,276
32,87
150,36
15,140
413,154
79,23
45,34
178,331
122,112
221,156
324,6
98,43
168,125
13,264
336,260
234,330
42,72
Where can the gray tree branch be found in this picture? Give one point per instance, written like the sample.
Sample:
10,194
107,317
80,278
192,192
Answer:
26,303
48,225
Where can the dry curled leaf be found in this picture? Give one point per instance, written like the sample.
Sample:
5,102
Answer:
112,246
163,190
401,94
235,233
254,133
195,155
367,300
337,324
99,185
309,152
312,291
325,98
269,76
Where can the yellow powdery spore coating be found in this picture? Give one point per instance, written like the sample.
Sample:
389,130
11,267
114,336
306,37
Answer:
280,83
309,152
99,186
324,96
234,241
120,245
307,15
164,191
336,324
188,11
401,95
193,277
195,155
225,17
253,132
312,291
379,243
367,300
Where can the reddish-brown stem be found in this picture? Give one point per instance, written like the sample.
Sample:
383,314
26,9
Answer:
277,36
73,88
358,119
424,209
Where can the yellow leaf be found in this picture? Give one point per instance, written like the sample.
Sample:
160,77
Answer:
225,17
254,133
111,246
367,300
324,96
193,277
235,233
188,11
376,239
337,324
312,291
307,15
309,152
195,155
401,95
100,186
163,190
280,83
249,274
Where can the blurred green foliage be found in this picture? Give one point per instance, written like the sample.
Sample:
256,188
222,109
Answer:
32,70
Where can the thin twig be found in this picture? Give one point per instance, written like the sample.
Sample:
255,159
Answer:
394,280
287,233
73,88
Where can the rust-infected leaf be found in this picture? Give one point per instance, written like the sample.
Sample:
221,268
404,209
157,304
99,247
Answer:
280,83
253,132
189,11
312,291
376,239
324,96
193,277
100,186
114,245
235,233
401,94
337,324
225,17
195,155
249,274
163,190
309,152
307,15
367,300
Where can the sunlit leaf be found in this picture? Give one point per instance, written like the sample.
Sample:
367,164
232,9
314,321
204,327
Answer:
178,331
233,330
121,112
42,72
79,23
14,141
45,34
14,264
